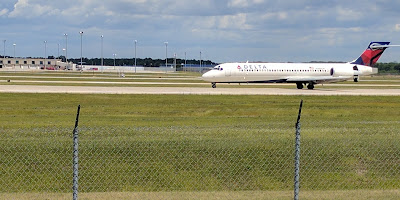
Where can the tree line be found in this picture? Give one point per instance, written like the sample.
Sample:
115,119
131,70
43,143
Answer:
388,68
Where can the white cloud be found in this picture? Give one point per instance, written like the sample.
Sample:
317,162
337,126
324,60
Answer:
27,9
234,22
244,3
397,27
134,1
217,28
348,14
238,3
275,16
258,1
3,12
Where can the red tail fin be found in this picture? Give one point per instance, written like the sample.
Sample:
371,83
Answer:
371,54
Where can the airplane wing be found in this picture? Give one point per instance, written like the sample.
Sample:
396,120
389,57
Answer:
318,79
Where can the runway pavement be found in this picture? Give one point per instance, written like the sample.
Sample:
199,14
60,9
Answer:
194,90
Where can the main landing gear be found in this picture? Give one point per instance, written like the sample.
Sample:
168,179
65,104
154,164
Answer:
310,86
213,85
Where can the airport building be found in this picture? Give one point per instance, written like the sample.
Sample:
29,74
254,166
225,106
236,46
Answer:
33,63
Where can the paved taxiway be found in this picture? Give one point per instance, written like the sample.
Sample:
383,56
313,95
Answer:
194,90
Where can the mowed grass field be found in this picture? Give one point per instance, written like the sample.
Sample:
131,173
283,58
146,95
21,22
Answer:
199,147
195,147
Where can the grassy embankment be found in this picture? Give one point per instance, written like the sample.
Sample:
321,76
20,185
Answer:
153,143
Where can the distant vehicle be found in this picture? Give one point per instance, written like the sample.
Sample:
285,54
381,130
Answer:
302,74
48,68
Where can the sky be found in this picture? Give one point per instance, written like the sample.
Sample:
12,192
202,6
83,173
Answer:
222,30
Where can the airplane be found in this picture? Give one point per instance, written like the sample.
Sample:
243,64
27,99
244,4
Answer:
303,74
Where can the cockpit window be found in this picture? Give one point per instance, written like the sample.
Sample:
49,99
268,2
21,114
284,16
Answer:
219,68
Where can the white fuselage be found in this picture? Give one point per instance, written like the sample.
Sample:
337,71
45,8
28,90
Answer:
285,72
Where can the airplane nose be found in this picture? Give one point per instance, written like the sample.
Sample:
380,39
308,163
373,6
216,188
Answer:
213,76
206,76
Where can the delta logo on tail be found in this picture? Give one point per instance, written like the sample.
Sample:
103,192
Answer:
371,54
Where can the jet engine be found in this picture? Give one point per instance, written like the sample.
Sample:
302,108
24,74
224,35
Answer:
341,71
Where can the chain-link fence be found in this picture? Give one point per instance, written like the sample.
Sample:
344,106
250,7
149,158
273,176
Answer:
339,160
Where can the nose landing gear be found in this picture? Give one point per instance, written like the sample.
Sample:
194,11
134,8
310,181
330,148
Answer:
355,78
213,85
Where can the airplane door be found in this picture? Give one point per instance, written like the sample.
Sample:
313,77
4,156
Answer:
228,72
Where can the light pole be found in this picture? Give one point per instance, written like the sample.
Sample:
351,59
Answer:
58,50
114,59
14,48
174,62
14,55
66,49
185,63
102,61
45,53
166,56
4,50
81,49
135,55
200,61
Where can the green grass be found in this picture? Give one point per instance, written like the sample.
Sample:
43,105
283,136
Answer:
26,110
239,195
176,79
153,143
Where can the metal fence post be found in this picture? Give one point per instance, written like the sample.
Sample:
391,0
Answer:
297,157
75,158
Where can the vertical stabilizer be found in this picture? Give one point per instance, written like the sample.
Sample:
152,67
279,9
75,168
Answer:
371,54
